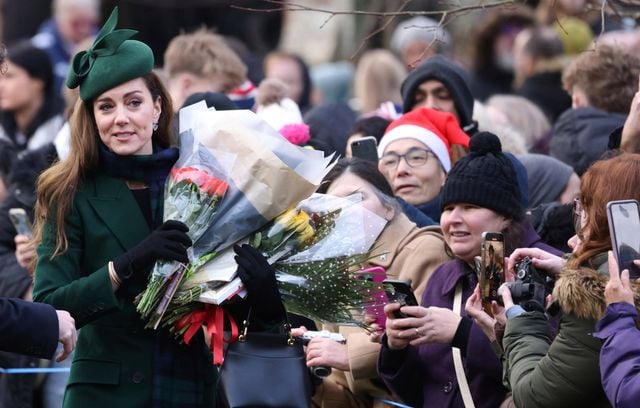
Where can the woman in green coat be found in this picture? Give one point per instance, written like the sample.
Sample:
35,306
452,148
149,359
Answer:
543,371
99,230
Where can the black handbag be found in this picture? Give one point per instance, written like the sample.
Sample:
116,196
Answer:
264,369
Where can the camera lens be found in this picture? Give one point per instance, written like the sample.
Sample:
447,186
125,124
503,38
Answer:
521,274
321,371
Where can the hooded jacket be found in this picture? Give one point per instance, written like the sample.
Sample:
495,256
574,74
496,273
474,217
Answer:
581,136
563,371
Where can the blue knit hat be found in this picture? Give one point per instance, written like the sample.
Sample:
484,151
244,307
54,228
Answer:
112,59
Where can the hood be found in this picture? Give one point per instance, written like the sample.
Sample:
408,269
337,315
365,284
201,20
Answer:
581,136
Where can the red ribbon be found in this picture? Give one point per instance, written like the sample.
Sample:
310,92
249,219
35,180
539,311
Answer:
211,316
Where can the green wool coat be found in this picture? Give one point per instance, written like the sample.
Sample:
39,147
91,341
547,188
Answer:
113,361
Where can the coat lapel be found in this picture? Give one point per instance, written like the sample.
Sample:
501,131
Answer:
116,207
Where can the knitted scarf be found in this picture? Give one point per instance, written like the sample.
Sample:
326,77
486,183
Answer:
151,169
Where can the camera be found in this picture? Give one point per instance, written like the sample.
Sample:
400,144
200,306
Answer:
531,286
321,371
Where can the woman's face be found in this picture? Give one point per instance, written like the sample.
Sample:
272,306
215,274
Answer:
415,185
463,225
125,115
348,184
288,71
18,90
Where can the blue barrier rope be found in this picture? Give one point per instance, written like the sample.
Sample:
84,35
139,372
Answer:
33,370
392,403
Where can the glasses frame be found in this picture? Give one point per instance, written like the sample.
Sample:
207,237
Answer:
404,156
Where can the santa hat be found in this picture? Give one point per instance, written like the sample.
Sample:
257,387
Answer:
436,130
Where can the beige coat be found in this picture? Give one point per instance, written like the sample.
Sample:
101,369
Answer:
408,252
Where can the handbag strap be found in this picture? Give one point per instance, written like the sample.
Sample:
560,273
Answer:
245,323
467,399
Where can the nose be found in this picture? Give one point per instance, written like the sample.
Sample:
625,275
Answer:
403,167
122,116
573,242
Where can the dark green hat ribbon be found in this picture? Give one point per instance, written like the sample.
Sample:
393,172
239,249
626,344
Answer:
111,60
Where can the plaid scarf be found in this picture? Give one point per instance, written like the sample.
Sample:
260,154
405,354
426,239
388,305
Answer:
152,169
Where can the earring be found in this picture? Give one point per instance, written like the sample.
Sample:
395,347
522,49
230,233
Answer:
155,126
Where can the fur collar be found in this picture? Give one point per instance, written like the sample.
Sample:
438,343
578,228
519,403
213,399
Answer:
580,292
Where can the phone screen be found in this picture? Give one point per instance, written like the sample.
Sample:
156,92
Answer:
399,292
365,148
20,221
492,268
624,226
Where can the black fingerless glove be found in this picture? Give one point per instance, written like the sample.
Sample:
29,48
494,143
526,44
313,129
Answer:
259,280
168,242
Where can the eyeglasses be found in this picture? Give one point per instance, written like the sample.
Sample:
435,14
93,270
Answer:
415,157
577,215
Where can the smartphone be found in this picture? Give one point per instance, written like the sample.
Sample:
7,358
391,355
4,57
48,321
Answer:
624,228
365,148
20,221
399,291
491,274
376,300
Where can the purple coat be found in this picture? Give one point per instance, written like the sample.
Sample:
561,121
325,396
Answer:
620,355
425,375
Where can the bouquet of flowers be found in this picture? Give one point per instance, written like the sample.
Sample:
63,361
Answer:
259,174
193,190
316,250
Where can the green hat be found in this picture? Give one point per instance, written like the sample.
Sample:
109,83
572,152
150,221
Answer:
111,60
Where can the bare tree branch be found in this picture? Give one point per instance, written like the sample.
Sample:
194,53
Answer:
284,5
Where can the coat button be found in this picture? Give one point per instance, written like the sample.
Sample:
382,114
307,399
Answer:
137,377
448,387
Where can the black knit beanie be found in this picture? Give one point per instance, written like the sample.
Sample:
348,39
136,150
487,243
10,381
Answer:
486,178
451,75
33,60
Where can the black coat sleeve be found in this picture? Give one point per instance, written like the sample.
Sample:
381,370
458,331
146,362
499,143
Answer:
28,328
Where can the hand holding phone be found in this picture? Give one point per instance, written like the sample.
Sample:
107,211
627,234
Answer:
624,227
491,273
20,221
399,291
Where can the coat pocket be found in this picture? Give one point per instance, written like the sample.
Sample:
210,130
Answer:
85,371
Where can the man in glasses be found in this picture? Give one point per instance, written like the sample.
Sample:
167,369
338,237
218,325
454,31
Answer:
415,156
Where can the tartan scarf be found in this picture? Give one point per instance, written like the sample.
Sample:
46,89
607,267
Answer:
151,169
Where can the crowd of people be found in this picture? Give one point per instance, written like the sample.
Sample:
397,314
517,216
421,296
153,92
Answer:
530,136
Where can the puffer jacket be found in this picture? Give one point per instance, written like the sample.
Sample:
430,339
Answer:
563,371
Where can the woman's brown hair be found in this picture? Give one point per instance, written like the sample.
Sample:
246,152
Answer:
57,186
617,178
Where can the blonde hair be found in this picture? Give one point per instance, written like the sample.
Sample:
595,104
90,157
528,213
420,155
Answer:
523,115
57,186
378,77
204,54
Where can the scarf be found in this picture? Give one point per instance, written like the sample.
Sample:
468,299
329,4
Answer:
151,169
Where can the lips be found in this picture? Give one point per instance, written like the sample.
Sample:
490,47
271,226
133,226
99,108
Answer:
404,188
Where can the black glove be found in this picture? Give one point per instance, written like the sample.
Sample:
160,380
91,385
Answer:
167,242
259,279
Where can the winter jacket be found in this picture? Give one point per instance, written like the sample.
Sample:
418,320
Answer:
425,375
563,371
581,136
620,354
408,253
